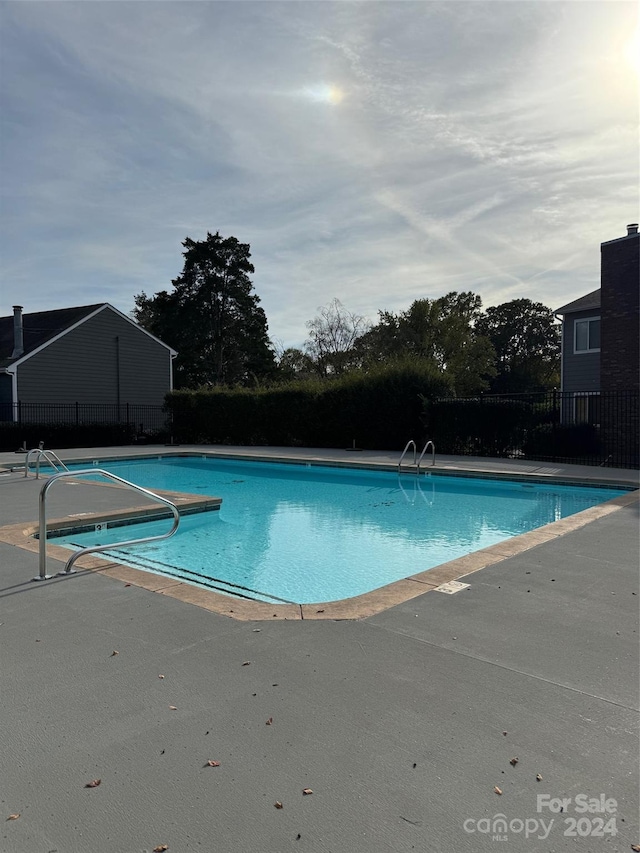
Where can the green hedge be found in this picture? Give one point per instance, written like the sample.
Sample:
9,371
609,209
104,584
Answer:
568,440
379,409
481,427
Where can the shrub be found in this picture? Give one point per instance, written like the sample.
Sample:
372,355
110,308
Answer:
477,426
569,440
378,409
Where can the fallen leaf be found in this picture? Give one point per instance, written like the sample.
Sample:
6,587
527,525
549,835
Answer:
497,790
93,784
212,764
127,584
269,721
114,653
298,837
414,765
514,761
160,848
256,630
307,791
172,708
320,611
636,847
538,777
246,663
504,733
14,816
278,804
161,676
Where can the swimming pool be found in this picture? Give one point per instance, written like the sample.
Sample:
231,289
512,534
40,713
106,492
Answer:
300,534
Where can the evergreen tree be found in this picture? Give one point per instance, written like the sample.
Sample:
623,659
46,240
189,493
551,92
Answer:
212,317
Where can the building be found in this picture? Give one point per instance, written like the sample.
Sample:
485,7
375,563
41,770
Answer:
92,355
600,331
601,352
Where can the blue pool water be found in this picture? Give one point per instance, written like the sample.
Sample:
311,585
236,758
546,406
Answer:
307,534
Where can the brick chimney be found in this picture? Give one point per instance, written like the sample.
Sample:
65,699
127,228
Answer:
619,297
18,334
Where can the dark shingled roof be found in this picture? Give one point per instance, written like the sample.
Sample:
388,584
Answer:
591,300
39,328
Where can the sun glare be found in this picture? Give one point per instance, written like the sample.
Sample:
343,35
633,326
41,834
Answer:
325,94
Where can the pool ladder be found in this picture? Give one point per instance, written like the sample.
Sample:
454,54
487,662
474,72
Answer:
416,462
93,548
40,453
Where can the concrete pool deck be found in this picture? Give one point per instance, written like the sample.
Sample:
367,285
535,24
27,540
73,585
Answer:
394,721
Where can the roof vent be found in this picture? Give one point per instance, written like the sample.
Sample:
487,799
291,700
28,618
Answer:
18,334
632,229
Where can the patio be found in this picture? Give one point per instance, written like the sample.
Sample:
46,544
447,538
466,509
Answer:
405,725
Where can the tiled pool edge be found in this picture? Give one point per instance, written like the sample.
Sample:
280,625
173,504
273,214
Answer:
358,607
538,475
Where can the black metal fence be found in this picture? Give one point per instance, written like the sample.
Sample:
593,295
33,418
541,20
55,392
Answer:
551,426
81,424
589,429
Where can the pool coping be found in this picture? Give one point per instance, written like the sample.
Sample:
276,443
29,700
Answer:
357,607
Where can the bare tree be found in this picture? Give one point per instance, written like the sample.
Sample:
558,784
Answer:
332,335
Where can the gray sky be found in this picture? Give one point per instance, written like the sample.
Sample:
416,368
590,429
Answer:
377,152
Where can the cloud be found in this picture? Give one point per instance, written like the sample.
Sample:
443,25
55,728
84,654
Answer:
377,152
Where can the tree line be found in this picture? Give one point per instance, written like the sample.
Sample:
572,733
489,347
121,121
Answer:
213,318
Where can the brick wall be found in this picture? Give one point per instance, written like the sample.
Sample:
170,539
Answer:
620,314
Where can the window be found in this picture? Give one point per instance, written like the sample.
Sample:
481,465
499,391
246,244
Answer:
586,408
587,335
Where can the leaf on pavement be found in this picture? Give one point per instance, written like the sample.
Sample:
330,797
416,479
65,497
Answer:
93,784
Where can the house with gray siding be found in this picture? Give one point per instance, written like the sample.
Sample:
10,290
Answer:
600,333
92,355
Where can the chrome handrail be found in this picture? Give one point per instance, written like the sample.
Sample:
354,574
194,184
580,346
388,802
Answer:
424,450
52,458
93,548
405,451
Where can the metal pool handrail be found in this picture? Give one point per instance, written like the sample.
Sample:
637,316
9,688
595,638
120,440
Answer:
410,443
77,554
52,458
424,450
416,462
